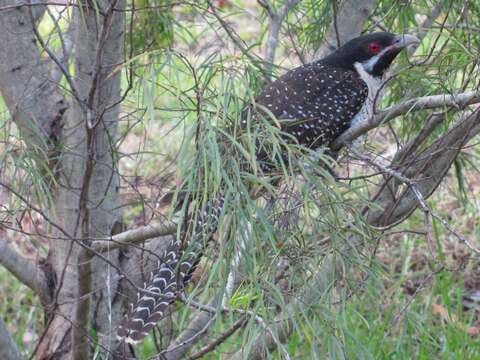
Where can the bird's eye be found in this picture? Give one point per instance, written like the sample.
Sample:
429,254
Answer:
374,48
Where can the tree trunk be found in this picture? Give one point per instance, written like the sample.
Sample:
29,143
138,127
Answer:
87,202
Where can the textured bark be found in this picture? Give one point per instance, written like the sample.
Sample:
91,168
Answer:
87,196
34,102
36,105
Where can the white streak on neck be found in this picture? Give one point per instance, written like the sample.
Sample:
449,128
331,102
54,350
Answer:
374,84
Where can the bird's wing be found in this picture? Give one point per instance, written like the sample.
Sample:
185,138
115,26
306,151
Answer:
318,101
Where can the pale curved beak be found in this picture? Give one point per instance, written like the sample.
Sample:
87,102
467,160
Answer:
403,40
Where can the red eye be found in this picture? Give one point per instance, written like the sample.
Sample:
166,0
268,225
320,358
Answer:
374,48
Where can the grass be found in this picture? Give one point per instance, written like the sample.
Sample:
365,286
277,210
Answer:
21,311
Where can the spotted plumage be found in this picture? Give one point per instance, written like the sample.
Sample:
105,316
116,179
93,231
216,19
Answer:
314,104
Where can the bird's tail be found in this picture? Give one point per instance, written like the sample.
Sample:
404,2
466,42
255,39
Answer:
174,270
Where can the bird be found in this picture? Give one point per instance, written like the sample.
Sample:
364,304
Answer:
314,104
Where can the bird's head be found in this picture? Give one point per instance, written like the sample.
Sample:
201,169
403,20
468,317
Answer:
375,52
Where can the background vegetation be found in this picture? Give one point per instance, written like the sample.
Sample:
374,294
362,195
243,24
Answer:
112,109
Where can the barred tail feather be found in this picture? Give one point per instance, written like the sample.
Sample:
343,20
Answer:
160,291
153,300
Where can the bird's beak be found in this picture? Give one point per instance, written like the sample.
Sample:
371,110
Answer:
403,40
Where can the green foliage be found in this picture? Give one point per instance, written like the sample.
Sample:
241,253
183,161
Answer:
190,89
373,315
21,311
151,27
200,96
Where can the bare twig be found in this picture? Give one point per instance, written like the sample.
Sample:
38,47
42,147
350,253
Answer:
427,212
421,200
238,42
192,339
258,319
60,64
187,338
66,40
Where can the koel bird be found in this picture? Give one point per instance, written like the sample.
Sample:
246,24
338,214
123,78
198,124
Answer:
315,104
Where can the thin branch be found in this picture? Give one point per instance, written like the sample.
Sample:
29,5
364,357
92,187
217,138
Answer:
195,335
187,339
430,124
416,104
66,40
412,184
277,339
237,41
135,236
63,68
220,339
